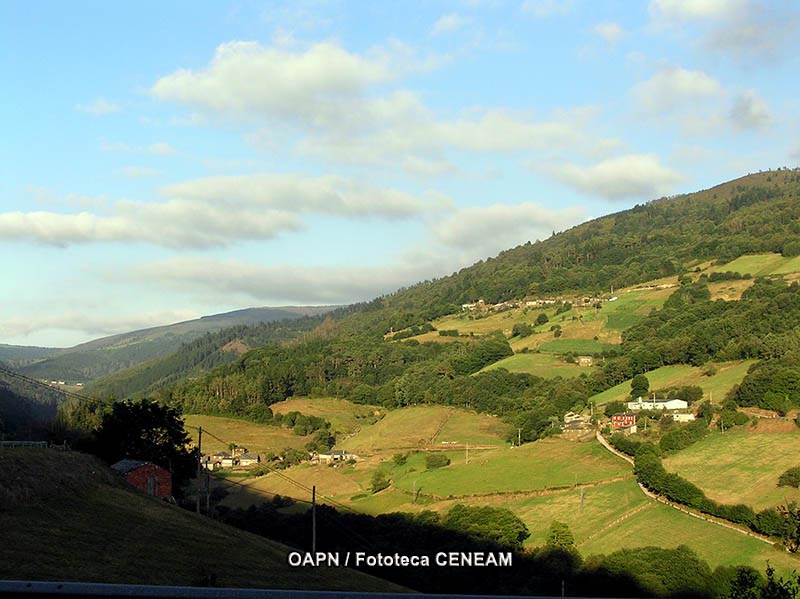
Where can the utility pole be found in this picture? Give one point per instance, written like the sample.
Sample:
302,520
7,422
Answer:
313,519
519,437
581,500
468,453
199,462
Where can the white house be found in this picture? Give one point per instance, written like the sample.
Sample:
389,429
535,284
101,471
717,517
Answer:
657,404
683,417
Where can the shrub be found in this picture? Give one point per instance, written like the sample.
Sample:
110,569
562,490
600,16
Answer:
436,460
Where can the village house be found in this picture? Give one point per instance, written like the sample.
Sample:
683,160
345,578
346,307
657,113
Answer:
146,476
335,455
249,459
585,360
657,404
686,417
624,423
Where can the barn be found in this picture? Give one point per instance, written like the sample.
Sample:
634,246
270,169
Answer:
146,476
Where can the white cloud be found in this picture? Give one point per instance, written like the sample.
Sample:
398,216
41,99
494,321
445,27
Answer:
609,31
322,195
137,172
161,148
673,87
639,176
682,10
247,78
280,284
220,211
448,23
100,106
490,229
745,30
541,9
90,322
750,111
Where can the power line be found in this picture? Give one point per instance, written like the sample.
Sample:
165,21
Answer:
288,479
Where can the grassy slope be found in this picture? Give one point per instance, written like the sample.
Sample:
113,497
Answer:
741,466
76,526
413,427
663,526
728,374
546,463
344,416
258,438
541,364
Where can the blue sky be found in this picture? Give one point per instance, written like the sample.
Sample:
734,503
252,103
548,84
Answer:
161,161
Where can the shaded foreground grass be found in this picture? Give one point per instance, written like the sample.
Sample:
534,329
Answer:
110,534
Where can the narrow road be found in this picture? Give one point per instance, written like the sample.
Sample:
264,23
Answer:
683,508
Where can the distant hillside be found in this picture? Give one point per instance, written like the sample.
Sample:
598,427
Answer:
201,354
755,214
25,409
68,517
102,357
23,355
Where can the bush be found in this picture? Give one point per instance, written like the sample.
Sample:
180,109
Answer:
436,460
542,319
379,482
400,458
790,478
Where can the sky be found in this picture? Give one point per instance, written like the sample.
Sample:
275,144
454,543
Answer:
160,161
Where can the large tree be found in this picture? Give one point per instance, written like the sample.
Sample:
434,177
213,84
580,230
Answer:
146,430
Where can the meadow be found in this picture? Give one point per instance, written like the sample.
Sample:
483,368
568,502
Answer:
714,387
257,438
534,466
740,466
538,364
662,526
345,416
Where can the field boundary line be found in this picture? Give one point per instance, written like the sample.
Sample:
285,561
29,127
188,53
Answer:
523,492
439,428
683,508
622,518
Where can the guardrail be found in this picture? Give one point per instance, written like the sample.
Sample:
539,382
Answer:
30,589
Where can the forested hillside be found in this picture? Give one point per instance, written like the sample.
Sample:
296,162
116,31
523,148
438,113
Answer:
103,357
349,356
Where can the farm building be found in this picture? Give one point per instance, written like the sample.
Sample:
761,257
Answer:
249,459
657,404
585,361
624,423
146,476
335,455
689,417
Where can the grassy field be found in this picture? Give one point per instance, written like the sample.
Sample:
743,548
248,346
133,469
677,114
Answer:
344,416
257,438
330,482
576,346
475,429
421,426
741,466
716,386
756,264
663,526
602,505
539,364
75,527
545,463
